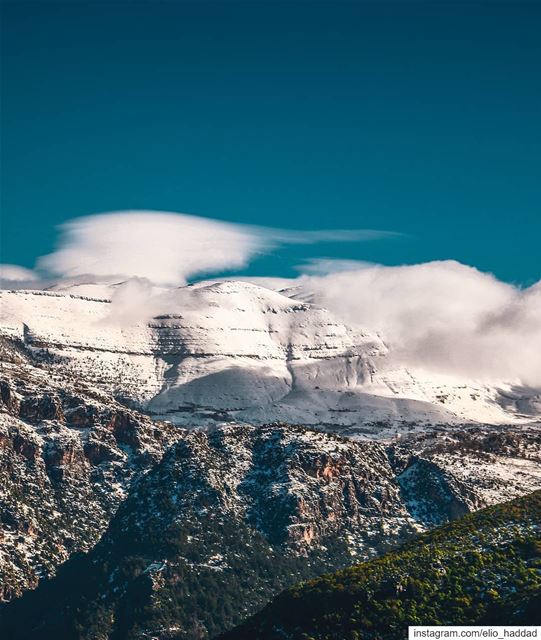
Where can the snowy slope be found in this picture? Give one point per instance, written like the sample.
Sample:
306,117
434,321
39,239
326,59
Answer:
218,351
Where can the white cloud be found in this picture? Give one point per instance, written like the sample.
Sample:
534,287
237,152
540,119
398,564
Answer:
169,248
442,316
324,266
15,273
134,300
12,275
165,248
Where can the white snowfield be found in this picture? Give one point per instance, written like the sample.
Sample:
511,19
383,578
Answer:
237,351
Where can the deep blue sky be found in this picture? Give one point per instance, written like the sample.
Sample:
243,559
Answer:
420,118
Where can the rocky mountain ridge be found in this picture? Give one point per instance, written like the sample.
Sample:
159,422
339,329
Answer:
68,455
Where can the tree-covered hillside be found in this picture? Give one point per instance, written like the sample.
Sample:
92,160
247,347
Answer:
483,568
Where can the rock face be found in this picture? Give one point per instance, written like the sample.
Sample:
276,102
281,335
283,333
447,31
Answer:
236,351
67,460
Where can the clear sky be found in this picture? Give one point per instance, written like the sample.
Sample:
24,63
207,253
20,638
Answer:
422,118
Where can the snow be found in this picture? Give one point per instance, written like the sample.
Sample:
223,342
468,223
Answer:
236,351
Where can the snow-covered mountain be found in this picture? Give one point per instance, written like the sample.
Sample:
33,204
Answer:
220,351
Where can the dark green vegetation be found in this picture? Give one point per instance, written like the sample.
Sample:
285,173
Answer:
484,568
124,594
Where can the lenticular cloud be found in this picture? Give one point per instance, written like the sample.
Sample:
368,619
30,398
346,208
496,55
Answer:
165,248
170,248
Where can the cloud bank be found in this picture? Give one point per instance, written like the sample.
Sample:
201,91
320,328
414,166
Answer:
441,316
12,273
170,248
